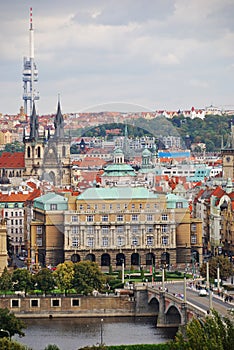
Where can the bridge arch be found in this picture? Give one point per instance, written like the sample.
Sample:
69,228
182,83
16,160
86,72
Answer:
154,304
173,315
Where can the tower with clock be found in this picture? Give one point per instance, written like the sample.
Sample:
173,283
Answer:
227,153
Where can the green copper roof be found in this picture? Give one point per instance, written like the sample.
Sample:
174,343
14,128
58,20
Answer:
173,200
119,170
44,202
117,193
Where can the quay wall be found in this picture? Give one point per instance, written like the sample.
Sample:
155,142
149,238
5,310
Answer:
77,306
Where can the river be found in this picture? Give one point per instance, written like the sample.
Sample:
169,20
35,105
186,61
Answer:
74,333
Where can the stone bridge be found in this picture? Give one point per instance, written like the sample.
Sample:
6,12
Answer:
172,311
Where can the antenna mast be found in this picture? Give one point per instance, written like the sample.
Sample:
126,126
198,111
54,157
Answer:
30,73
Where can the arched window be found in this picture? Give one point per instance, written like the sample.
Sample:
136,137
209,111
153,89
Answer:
64,151
39,152
28,152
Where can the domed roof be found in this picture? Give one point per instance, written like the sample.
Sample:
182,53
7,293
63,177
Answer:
146,153
118,151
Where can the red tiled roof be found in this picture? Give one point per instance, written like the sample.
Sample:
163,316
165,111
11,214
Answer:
12,160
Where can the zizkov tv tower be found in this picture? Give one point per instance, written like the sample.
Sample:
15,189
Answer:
30,74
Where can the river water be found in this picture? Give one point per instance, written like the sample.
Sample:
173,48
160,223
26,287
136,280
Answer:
74,333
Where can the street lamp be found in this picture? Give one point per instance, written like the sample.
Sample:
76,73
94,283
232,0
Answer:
6,331
101,332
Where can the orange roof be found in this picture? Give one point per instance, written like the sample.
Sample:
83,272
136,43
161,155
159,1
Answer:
12,160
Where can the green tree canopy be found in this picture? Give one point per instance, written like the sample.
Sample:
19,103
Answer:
22,279
64,276
87,277
44,280
213,333
8,344
10,323
225,267
6,281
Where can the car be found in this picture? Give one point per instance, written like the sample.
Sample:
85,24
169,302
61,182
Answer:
203,292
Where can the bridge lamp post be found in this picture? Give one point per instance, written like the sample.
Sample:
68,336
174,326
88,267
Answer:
185,293
5,331
163,278
123,271
207,276
101,332
218,277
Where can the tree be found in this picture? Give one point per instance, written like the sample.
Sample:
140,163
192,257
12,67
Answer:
87,277
44,280
8,344
6,281
22,280
11,323
225,267
213,333
64,276
52,347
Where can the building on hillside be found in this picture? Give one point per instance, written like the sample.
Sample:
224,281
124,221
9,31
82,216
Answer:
115,225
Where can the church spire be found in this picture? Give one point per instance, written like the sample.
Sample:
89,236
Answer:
34,125
59,122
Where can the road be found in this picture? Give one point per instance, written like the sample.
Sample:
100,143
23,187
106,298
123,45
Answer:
204,302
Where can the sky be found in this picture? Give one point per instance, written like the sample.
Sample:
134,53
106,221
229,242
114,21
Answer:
126,55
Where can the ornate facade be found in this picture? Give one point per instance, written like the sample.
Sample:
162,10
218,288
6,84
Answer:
112,226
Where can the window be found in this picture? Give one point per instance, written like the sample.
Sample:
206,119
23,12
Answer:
55,302
103,206
90,230
96,207
39,230
34,302
90,242
134,241
110,206
74,218
81,206
118,206
53,206
120,229
105,230
165,240
15,303
164,228
149,240
75,302
149,229
140,206
105,241
134,217
164,217
89,218
119,217
16,222
147,205
74,230
105,218
6,214
75,242
88,206
179,205
133,206
193,239
20,221
149,217
193,227
135,229
120,241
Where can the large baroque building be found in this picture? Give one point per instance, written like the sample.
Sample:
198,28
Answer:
130,225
